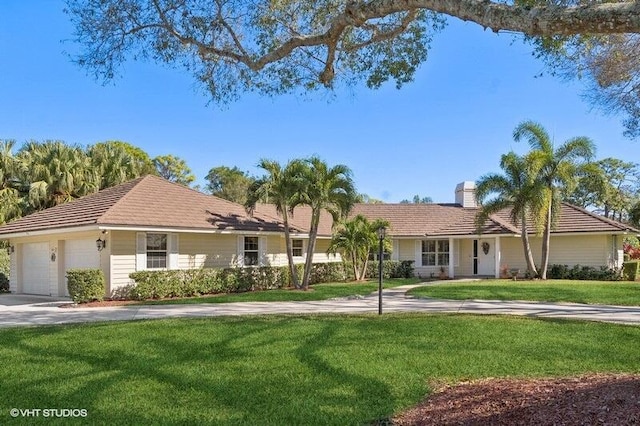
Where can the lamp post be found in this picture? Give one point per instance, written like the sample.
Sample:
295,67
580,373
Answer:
381,234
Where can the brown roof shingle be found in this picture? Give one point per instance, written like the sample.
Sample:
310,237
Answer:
149,201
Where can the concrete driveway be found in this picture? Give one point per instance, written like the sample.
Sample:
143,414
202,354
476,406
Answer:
9,299
40,310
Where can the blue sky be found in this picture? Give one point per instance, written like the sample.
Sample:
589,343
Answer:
451,124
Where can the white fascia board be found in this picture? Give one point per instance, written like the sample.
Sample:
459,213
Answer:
50,232
183,230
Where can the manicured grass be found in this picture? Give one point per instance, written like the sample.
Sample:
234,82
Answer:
591,292
316,292
281,370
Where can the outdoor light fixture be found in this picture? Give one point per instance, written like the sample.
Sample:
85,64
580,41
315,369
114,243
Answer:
381,235
100,244
11,249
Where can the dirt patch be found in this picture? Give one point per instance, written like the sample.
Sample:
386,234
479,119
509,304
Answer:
102,304
586,400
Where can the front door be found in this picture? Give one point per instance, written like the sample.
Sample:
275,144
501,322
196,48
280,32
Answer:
484,257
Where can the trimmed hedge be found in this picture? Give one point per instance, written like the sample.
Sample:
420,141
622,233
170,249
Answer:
579,272
195,282
631,270
4,269
85,285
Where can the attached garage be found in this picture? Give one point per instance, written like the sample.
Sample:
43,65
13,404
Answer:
80,254
35,268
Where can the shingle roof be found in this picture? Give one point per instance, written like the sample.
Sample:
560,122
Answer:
148,201
412,220
151,201
419,220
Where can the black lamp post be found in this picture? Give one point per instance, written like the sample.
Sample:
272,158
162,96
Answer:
381,234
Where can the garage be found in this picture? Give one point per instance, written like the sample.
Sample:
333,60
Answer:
35,268
80,254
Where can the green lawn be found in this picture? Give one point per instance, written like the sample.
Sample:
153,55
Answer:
281,370
591,292
316,292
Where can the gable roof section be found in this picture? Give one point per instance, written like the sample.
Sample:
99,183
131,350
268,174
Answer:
148,201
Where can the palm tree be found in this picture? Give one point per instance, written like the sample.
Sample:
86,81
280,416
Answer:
113,164
515,190
354,240
11,201
326,188
56,173
556,170
280,186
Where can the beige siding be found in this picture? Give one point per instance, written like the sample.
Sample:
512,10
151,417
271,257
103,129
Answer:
465,259
207,250
588,250
407,250
123,257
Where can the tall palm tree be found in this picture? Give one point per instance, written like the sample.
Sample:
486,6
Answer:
56,173
326,188
280,186
11,201
556,170
113,164
354,240
515,190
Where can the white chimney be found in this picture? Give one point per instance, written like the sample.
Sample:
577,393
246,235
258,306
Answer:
466,194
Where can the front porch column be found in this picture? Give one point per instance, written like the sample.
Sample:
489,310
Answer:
498,254
451,259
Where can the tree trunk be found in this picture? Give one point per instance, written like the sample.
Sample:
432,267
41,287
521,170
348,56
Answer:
354,259
313,233
287,242
545,245
531,266
363,272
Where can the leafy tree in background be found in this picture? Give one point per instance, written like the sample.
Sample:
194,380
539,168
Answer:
517,190
229,183
556,170
276,47
142,162
610,186
174,169
354,239
366,199
280,186
418,200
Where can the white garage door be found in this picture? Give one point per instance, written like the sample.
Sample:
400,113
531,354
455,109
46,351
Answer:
80,254
35,268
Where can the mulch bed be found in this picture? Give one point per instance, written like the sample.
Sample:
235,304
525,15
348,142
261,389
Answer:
103,304
586,400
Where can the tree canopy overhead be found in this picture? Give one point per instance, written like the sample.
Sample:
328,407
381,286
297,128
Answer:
281,46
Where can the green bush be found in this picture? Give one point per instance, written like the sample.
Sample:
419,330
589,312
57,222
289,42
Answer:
391,269
4,269
631,270
85,285
581,272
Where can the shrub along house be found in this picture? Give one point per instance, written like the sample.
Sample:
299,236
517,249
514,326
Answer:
150,223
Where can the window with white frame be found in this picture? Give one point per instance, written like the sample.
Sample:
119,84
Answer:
251,250
297,246
435,252
156,251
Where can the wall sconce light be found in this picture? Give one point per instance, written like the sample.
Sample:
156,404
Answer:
11,249
100,244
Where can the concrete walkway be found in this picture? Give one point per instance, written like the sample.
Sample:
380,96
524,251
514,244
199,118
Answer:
394,300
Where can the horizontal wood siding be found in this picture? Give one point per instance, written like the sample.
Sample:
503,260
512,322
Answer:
123,258
465,261
206,251
406,250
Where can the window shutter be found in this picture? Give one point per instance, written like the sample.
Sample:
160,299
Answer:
173,251
240,252
262,251
141,251
418,253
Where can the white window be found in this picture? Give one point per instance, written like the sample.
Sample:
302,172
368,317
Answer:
297,247
156,251
251,251
435,252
